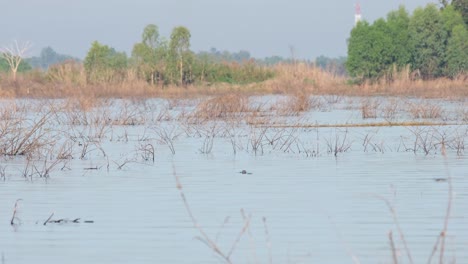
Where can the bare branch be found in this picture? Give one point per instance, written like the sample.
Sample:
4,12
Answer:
14,54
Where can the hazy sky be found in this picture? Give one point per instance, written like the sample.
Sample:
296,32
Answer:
262,27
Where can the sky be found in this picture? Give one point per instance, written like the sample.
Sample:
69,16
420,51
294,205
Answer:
305,28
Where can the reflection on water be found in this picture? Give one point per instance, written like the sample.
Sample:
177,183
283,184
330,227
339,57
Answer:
303,208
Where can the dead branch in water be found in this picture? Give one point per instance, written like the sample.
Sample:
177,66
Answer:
48,219
12,222
204,236
210,243
392,247
397,223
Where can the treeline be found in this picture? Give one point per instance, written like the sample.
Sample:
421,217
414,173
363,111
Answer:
47,58
161,61
431,43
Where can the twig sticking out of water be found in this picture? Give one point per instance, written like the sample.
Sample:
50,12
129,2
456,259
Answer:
12,222
268,241
2,173
48,219
392,247
343,242
449,207
210,243
251,239
226,220
434,250
243,230
397,223
204,237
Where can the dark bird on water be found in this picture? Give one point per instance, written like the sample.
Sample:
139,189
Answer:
244,172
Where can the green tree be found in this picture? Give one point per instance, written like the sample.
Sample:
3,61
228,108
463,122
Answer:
104,64
457,52
150,54
359,60
462,7
370,50
428,39
451,18
398,23
180,53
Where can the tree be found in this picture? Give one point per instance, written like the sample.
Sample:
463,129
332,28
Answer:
428,39
398,23
370,50
150,54
48,58
103,63
13,55
180,53
358,63
462,7
451,18
457,52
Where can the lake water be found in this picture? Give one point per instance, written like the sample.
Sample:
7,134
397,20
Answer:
302,203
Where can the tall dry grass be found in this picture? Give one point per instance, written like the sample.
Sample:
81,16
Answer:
291,78
224,106
406,83
69,80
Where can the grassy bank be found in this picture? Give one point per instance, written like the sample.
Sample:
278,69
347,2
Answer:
301,79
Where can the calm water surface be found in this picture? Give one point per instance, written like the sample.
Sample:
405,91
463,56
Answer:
303,209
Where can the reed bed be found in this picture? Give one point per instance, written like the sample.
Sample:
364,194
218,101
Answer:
69,80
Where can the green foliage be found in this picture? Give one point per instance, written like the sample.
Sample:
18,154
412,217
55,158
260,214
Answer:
217,56
457,51
180,56
172,62
104,64
428,39
398,23
374,49
150,55
274,60
5,67
360,63
462,7
451,18
230,72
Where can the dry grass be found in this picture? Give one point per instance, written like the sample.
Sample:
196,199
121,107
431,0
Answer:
223,106
406,84
69,80
294,104
369,108
302,77
425,110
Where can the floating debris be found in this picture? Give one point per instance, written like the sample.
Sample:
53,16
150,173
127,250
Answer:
440,179
65,221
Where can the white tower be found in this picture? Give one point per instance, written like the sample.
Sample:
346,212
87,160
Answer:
357,15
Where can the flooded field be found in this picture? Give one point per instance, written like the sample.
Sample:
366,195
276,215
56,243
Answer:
234,180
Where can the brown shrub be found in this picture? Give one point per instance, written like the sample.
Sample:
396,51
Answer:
222,106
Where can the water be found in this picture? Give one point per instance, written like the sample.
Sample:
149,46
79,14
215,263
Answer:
304,204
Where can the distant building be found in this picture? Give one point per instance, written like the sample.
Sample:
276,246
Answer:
357,15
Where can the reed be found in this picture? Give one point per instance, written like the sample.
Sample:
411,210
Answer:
369,108
68,80
425,109
224,106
